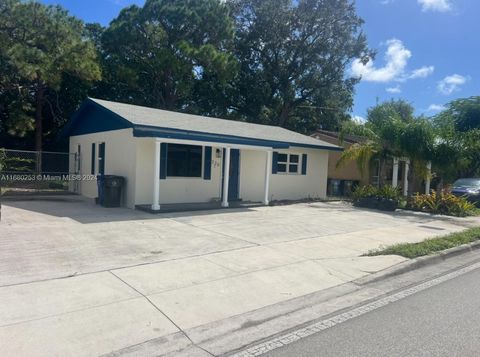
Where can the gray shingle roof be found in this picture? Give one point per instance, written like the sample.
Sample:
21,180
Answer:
165,119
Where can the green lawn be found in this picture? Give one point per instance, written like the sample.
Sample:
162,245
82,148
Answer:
429,246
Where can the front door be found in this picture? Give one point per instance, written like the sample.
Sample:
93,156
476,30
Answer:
234,175
234,179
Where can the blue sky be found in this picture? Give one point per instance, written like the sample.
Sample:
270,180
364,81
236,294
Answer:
428,51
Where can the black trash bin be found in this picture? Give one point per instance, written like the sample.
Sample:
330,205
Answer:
110,190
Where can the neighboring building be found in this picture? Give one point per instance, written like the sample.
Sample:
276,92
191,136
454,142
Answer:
169,157
342,179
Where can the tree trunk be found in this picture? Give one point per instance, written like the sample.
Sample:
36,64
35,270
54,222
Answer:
282,120
39,119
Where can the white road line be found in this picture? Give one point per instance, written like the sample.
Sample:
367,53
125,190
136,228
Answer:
290,337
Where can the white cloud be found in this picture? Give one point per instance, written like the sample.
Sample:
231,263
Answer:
451,84
394,90
359,119
396,58
435,108
436,5
422,72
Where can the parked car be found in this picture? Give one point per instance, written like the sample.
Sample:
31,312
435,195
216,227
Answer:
469,188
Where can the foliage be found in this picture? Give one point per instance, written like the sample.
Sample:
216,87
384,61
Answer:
18,164
429,246
3,156
441,203
458,147
386,192
168,54
366,191
268,61
293,57
39,45
389,192
390,131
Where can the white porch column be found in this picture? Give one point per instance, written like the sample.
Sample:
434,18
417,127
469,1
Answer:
427,180
405,178
268,168
226,176
395,172
156,178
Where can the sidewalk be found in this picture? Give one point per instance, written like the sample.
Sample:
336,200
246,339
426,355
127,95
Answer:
138,280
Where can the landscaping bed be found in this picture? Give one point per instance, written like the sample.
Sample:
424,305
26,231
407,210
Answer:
430,246
386,198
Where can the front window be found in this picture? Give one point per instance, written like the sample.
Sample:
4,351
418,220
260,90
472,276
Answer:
184,160
288,163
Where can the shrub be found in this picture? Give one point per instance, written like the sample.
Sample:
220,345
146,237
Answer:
442,203
386,192
389,192
364,192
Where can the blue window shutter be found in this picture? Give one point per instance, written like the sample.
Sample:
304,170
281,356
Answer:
304,164
92,167
163,160
101,158
207,163
275,162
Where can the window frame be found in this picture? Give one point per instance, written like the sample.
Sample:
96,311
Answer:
288,163
202,153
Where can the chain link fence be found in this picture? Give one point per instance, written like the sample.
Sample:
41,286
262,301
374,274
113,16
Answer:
22,170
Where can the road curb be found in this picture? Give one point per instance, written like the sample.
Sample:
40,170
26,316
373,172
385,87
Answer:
416,263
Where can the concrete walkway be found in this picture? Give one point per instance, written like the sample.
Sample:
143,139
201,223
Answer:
81,280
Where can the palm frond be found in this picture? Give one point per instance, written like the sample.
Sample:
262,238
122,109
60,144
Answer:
360,153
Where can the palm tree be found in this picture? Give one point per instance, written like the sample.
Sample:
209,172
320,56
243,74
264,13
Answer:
390,131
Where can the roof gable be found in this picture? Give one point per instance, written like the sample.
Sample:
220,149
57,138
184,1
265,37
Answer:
93,118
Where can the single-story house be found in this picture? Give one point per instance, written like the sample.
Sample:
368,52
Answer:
341,179
168,157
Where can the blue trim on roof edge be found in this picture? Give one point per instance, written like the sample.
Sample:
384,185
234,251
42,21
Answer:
71,127
153,131
147,131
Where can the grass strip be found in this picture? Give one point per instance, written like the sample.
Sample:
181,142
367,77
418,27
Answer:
429,246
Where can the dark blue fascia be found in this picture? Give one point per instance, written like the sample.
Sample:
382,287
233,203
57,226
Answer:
93,118
148,131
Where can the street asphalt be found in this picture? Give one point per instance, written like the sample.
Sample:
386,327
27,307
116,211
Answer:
443,320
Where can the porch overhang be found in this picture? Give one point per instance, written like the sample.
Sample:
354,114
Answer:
172,135
195,137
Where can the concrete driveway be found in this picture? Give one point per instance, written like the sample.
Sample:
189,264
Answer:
81,280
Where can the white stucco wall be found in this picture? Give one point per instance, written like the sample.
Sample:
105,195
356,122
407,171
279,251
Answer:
120,159
174,189
283,186
133,158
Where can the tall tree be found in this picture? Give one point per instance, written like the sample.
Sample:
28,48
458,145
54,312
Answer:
42,44
458,149
168,52
293,58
